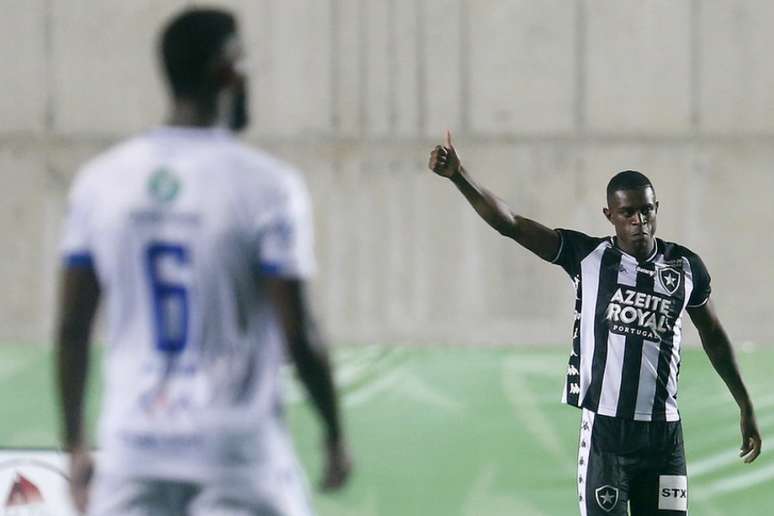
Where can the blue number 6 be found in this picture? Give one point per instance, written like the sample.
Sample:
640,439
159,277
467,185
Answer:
169,299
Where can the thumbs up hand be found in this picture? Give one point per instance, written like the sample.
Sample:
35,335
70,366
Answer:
444,160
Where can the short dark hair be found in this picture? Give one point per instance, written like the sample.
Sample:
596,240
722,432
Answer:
628,180
188,44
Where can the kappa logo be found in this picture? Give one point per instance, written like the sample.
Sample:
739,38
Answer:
607,497
648,272
572,371
669,279
574,388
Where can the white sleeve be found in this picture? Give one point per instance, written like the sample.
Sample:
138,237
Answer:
76,245
286,238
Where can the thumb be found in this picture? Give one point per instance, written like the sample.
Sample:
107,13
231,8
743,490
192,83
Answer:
448,140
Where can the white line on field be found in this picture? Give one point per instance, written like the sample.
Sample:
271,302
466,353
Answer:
417,389
11,366
484,498
707,508
364,355
536,365
697,399
371,363
527,409
712,463
715,462
721,459
370,390
346,374
736,483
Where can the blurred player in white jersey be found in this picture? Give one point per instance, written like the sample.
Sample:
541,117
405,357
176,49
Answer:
200,248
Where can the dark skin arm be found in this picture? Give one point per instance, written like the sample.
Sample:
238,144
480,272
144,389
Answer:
310,357
532,235
78,302
78,305
718,348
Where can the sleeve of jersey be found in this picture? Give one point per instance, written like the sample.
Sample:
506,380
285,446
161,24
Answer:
701,283
286,240
75,245
573,247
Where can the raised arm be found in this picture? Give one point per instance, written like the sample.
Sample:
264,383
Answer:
310,357
536,237
718,348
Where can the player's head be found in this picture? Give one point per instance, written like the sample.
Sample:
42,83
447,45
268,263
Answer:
632,208
201,55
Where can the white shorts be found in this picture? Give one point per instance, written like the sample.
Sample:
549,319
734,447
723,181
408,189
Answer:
113,495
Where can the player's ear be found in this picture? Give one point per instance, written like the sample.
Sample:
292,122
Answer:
656,206
607,214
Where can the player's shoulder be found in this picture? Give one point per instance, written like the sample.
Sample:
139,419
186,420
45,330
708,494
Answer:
258,167
575,246
110,163
580,236
582,240
675,251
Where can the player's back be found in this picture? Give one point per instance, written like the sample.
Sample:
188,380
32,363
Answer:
178,223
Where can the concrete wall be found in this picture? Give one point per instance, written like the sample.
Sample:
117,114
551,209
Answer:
547,100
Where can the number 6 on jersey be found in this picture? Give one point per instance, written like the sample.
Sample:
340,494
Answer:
169,298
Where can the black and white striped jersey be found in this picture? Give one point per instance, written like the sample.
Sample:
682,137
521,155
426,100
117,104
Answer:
625,358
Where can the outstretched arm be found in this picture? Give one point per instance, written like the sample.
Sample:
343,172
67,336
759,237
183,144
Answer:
536,237
718,348
311,360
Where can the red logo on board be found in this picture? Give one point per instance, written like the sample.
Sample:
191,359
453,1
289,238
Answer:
23,492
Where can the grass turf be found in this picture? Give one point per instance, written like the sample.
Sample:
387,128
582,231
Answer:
462,431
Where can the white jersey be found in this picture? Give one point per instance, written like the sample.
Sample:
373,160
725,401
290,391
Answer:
181,225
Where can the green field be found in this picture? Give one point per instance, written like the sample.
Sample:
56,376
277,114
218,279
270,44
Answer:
465,431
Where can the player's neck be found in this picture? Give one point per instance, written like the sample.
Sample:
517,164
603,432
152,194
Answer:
641,254
189,113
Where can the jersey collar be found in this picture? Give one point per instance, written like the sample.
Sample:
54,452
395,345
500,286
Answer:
191,131
624,253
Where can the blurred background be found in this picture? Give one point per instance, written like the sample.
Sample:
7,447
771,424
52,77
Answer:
547,99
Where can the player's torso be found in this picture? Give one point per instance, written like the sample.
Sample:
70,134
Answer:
627,332
192,346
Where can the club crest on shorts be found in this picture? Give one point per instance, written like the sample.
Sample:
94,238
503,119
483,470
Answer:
607,497
669,278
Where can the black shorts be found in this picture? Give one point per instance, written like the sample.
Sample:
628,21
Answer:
638,464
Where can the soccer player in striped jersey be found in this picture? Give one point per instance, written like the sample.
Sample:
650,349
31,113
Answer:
201,249
631,291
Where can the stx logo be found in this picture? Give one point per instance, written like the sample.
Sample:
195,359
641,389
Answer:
674,492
